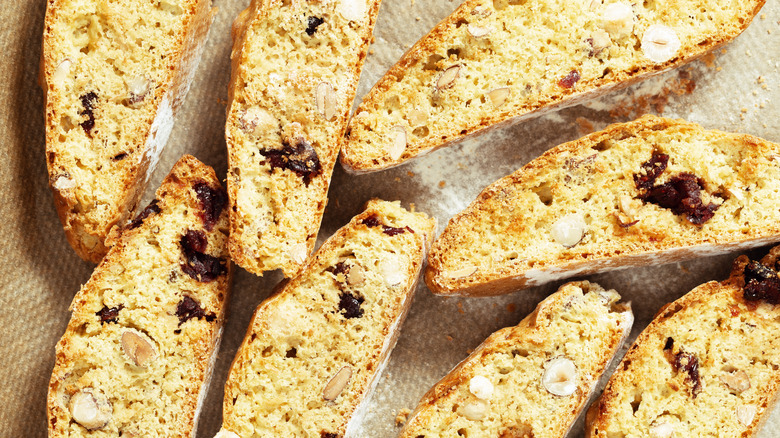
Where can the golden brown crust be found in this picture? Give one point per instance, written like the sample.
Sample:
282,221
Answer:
729,336
143,281
305,335
580,177
118,183
364,148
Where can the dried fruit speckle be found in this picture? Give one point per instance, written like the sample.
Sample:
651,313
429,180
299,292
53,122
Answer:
212,202
313,24
88,101
349,305
373,221
570,79
188,308
761,283
109,314
198,265
153,207
298,157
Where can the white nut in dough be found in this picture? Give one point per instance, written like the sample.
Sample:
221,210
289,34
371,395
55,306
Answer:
90,409
397,144
352,10
663,430
660,43
560,377
474,411
224,433
746,414
481,387
618,20
569,230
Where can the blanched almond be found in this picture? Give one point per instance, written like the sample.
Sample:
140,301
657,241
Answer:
498,96
397,144
448,76
326,100
337,384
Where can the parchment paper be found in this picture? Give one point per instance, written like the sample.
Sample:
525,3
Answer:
735,90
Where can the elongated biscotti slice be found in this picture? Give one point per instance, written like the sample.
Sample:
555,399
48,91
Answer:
495,61
295,69
113,74
137,355
708,364
315,349
531,380
647,192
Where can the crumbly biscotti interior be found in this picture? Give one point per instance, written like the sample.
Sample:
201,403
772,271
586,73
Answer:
108,66
296,67
519,382
315,347
597,198
492,60
708,365
137,353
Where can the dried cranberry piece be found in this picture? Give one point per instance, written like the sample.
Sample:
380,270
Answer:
188,308
88,101
689,363
314,22
349,305
153,207
682,194
761,283
373,221
200,266
651,170
109,314
298,157
339,268
570,79
120,156
669,343
212,202
324,434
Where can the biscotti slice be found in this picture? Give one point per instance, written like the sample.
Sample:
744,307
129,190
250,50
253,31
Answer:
314,349
531,380
295,69
113,74
137,355
708,364
495,61
647,192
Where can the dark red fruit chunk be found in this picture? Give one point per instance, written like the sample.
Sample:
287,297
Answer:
570,79
761,283
212,202
299,157
651,170
314,22
669,343
339,268
119,156
189,308
109,314
688,363
349,305
88,101
373,221
200,266
324,434
153,207
682,194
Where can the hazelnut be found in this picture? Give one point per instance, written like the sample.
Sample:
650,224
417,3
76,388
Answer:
352,10
618,20
599,41
569,230
460,273
255,117
560,377
326,101
398,142
224,433
447,77
474,411
90,408
138,347
391,268
498,96
416,117
477,31
660,43
481,387
137,89
337,383
746,414
662,430
298,253
738,381
355,276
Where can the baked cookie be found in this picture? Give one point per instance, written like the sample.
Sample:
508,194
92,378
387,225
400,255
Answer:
315,349
137,355
495,61
531,380
708,364
650,191
295,69
113,75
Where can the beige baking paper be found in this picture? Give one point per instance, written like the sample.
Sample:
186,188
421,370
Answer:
737,89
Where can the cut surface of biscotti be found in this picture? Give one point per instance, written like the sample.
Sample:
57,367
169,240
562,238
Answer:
295,69
137,355
708,364
495,61
531,380
113,74
315,349
650,191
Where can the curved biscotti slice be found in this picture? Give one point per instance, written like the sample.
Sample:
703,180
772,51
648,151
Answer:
137,355
295,69
646,192
531,380
708,364
314,349
495,61
113,75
